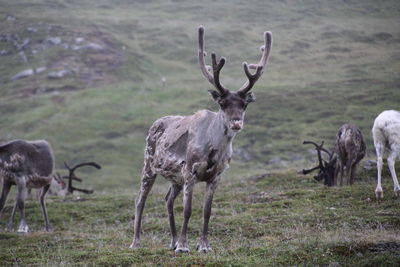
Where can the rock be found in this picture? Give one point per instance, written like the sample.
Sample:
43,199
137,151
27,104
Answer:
24,43
40,70
79,40
4,52
92,46
369,164
31,29
57,74
11,18
242,153
23,74
53,40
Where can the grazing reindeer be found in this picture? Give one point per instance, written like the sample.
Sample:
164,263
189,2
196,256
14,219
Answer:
350,149
60,188
386,134
327,169
26,164
196,148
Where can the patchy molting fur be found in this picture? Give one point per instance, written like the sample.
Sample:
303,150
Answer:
197,148
26,164
386,135
350,150
168,149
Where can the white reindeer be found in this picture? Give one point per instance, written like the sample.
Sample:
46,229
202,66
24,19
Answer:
386,134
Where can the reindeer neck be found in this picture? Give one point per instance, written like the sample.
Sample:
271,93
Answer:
219,129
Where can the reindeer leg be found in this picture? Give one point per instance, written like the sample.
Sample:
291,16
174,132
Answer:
20,203
202,245
48,226
182,245
147,182
173,192
10,224
341,174
4,194
349,164
353,173
379,162
336,174
391,161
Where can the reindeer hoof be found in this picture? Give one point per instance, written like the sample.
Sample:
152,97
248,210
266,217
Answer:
173,245
397,193
48,228
379,194
9,227
204,249
23,229
202,246
182,250
135,245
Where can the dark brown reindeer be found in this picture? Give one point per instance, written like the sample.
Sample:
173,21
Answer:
350,149
327,168
26,164
196,148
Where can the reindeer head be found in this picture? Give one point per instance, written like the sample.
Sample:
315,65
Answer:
233,103
326,168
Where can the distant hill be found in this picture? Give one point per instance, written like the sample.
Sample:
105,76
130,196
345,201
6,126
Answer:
94,75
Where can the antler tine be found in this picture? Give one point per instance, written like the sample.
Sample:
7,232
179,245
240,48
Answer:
304,171
260,67
94,164
212,77
66,166
318,148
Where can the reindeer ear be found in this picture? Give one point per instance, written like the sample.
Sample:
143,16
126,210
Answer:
250,97
215,94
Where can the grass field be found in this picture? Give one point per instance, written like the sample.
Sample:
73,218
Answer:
265,219
332,62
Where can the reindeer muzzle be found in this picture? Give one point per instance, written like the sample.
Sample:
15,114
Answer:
236,125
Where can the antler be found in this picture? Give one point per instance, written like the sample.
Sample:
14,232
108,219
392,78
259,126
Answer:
211,73
319,148
260,67
72,176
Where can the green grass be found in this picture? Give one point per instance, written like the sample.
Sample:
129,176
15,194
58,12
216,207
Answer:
276,219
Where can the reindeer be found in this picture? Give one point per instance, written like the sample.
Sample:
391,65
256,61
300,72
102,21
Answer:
26,164
350,149
196,148
60,188
386,134
327,168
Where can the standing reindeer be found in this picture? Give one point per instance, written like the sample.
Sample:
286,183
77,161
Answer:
26,164
196,148
386,134
350,149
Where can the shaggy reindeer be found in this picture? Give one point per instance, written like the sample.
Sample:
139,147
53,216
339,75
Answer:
26,164
350,149
386,133
196,148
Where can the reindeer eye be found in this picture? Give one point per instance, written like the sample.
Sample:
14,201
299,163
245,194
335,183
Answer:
222,102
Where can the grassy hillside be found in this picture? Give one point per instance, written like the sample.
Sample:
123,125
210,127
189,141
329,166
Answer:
95,85
332,62
264,219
